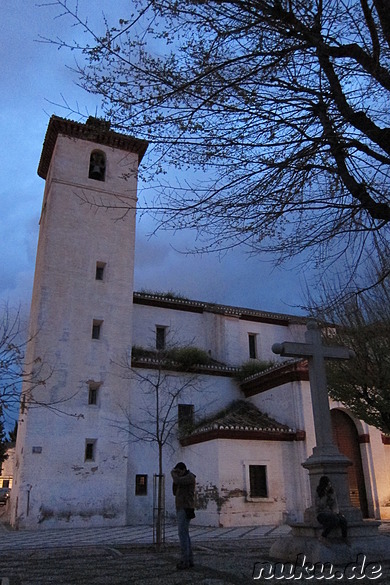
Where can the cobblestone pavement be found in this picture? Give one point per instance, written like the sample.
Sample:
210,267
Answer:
216,563
126,555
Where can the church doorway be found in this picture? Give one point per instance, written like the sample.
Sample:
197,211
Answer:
346,438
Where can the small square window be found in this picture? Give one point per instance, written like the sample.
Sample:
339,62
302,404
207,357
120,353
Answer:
90,449
100,266
258,481
93,392
160,337
141,485
96,329
252,345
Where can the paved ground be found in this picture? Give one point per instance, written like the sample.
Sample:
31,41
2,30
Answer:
126,555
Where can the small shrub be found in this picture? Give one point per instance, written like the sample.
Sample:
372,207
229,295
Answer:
185,357
166,294
189,357
138,352
253,367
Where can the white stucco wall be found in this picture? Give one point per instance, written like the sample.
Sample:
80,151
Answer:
376,466
208,394
223,337
221,467
54,485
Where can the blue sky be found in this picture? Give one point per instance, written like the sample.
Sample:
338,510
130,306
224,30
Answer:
35,77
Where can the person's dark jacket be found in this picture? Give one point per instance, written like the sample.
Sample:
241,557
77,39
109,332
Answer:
184,489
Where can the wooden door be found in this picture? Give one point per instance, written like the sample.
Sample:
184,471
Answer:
346,438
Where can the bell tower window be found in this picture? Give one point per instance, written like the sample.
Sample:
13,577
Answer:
97,165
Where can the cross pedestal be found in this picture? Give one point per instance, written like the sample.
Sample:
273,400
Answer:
325,460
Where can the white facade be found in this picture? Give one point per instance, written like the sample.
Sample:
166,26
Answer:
7,468
76,462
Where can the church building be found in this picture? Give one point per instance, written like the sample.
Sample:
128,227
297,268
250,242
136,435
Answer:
129,383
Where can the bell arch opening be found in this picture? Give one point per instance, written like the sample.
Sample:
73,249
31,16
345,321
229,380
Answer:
97,165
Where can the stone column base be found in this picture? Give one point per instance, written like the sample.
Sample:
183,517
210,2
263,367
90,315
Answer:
304,539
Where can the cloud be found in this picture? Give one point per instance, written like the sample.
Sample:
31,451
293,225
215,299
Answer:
235,278
33,75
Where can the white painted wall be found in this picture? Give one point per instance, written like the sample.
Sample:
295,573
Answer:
208,394
224,337
222,482
54,485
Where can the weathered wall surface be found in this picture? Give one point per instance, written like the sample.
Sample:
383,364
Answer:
54,483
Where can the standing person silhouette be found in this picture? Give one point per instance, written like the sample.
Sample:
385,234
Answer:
184,492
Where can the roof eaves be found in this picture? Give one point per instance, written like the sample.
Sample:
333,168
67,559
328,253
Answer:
98,133
289,371
242,435
162,300
209,369
241,416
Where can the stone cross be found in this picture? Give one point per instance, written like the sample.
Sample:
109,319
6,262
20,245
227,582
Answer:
316,354
325,460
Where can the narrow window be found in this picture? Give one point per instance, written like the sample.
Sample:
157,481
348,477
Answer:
23,404
252,345
258,481
141,485
185,416
97,166
93,392
96,329
90,449
100,270
160,337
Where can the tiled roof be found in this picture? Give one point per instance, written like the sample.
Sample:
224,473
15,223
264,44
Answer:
241,420
180,304
244,416
288,371
215,369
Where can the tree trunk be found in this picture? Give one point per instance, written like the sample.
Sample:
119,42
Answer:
160,533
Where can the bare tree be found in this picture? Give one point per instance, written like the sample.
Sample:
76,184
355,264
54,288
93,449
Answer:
13,369
21,381
3,442
363,383
277,107
161,383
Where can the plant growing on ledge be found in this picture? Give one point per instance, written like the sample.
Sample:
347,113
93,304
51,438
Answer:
170,294
186,358
252,367
189,357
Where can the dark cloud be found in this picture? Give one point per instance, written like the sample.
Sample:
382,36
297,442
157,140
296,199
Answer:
235,278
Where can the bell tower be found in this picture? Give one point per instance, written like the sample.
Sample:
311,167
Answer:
70,462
